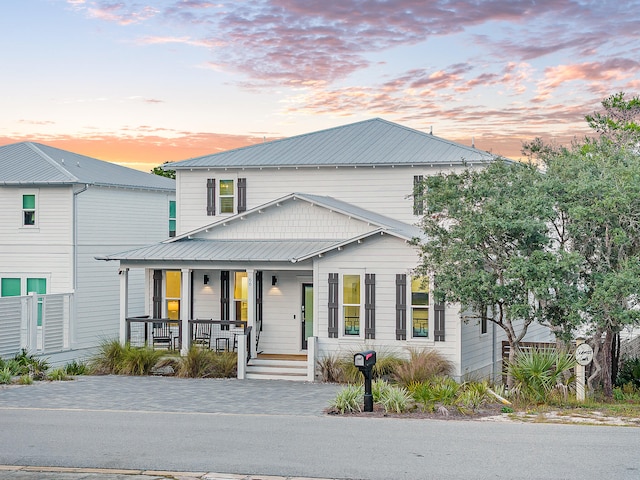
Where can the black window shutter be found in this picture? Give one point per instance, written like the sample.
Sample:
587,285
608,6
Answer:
438,330
401,306
157,294
211,196
333,305
224,295
259,298
242,195
370,305
418,190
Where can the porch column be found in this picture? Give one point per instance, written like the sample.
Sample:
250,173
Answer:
251,307
124,303
185,308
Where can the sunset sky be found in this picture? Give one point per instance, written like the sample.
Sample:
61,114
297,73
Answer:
143,82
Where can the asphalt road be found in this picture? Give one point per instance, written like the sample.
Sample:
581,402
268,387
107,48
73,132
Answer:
278,428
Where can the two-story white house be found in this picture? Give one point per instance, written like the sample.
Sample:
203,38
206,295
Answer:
60,210
310,241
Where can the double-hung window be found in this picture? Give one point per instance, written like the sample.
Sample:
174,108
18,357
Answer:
420,307
351,304
29,210
226,196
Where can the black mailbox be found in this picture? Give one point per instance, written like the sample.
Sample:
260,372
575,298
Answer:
365,362
365,359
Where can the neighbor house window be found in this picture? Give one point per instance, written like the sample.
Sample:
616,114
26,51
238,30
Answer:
28,210
172,294
420,307
351,303
10,287
172,218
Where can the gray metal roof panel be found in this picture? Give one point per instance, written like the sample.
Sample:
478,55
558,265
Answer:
33,163
371,142
225,250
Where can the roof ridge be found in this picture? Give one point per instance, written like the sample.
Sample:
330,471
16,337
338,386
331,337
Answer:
279,140
47,158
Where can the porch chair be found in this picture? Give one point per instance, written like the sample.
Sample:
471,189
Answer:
202,335
162,336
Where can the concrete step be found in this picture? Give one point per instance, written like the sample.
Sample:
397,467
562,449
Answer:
279,369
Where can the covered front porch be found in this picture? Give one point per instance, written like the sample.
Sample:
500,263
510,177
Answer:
235,308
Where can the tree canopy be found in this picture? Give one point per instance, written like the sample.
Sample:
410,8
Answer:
162,172
556,243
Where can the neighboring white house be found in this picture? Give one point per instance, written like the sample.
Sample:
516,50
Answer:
59,211
309,240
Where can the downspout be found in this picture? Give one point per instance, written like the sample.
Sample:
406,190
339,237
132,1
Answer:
75,235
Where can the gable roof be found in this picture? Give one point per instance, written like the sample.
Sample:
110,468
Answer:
28,163
374,142
378,221
189,247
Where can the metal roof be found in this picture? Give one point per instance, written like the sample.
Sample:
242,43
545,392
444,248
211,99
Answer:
374,142
196,249
28,163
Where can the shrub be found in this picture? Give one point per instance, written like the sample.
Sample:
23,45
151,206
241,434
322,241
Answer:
629,372
445,390
58,374
422,366
27,364
6,375
423,395
537,373
378,389
25,379
472,396
75,368
349,399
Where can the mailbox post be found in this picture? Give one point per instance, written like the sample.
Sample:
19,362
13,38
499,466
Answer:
365,362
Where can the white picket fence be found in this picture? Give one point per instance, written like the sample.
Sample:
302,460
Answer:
19,328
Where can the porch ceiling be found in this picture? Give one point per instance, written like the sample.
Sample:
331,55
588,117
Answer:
227,250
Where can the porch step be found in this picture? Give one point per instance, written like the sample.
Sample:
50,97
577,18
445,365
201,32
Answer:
277,369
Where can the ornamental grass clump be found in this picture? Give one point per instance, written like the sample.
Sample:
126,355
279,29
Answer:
396,399
203,363
422,366
349,399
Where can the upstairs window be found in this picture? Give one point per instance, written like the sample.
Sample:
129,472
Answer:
29,210
172,218
418,192
226,196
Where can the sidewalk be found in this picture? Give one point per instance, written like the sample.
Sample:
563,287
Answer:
11,472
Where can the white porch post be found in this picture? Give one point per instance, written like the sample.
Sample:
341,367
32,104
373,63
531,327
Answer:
312,348
251,308
185,308
242,356
124,302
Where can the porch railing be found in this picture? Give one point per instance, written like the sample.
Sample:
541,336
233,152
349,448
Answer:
218,335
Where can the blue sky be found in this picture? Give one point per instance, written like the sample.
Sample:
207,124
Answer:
140,83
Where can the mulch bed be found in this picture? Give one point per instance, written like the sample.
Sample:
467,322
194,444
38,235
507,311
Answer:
450,413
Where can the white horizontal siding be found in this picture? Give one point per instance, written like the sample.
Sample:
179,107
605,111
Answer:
384,190
53,217
55,263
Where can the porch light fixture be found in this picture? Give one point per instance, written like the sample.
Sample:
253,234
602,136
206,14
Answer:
205,280
274,280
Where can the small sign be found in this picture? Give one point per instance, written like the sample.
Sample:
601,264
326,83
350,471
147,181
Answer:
584,354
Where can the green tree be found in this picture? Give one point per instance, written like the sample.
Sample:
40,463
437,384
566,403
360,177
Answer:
162,172
489,246
619,122
596,187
